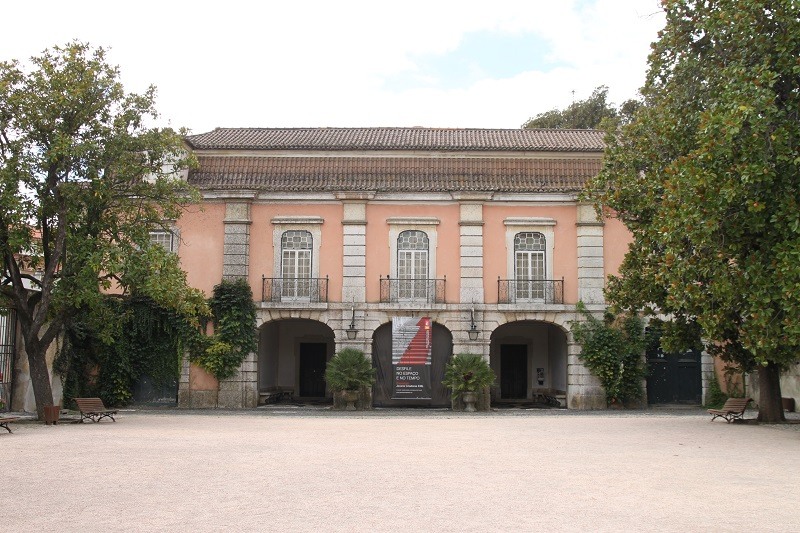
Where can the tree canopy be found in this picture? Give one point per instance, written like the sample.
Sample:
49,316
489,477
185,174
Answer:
706,179
584,114
83,180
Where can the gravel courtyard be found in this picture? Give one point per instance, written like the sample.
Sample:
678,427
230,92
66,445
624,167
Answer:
283,470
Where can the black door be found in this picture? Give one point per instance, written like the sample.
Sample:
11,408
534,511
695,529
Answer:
513,371
313,356
673,378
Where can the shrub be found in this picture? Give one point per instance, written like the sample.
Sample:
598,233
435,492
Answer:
467,372
349,370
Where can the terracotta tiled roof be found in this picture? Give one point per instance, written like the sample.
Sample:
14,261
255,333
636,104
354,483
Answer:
398,139
420,174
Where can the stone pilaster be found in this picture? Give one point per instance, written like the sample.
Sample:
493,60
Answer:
471,247
354,253
591,267
236,253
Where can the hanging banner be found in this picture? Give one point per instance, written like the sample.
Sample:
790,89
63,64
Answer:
411,358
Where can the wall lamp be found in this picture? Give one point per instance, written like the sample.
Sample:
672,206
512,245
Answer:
473,329
351,330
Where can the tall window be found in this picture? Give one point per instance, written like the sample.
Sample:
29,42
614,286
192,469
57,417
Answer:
296,247
529,265
412,264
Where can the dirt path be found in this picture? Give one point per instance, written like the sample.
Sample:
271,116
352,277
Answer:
253,471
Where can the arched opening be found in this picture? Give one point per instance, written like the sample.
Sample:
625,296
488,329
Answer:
383,390
292,356
530,360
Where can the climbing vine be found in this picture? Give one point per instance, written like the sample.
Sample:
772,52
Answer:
612,350
104,354
234,316
105,350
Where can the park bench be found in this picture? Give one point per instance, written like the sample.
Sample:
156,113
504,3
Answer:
732,410
93,409
5,421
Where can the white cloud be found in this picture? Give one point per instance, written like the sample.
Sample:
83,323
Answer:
322,63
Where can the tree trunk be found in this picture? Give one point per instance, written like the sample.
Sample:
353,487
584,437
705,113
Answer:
770,407
40,377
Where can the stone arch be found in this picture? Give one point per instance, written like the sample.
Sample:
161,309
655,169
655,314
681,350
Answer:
530,358
441,352
292,355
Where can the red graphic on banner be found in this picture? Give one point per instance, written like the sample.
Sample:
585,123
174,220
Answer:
419,349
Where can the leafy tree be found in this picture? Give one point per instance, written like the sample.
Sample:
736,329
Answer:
584,114
82,182
706,179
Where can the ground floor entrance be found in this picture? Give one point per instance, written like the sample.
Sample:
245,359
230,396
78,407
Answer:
292,356
530,360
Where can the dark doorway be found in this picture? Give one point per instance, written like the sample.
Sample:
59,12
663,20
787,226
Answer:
513,371
313,356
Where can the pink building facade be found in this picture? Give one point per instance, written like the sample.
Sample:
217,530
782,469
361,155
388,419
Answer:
340,231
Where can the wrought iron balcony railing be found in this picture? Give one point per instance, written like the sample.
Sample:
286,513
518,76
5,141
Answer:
313,290
512,291
412,290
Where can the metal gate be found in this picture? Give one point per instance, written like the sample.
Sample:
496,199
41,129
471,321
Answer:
8,334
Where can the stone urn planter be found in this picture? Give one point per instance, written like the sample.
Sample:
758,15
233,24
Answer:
351,397
466,375
469,398
347,374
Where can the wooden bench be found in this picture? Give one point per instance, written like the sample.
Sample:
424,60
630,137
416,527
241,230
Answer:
93,409
732,410
5,421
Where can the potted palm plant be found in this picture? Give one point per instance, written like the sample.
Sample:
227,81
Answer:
347,373
466,375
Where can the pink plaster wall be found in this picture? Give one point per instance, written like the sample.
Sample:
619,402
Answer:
448,255
615,244
565,250
202,235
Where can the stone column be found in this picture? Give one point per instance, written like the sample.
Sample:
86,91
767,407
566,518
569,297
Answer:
236,253
591,267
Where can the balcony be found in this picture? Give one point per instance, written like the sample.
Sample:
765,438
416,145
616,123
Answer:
429,291
515,291
311,290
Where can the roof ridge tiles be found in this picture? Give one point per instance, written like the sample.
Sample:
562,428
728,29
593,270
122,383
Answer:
398,138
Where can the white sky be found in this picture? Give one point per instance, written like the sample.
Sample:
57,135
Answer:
307,63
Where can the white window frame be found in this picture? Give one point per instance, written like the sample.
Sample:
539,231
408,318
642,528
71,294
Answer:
173,239
302,259
281,225
398,225
517,225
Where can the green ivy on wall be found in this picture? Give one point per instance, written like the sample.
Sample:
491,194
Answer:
135,337
612,349
234,317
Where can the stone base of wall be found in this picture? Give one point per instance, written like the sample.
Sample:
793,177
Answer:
197,399
586,397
